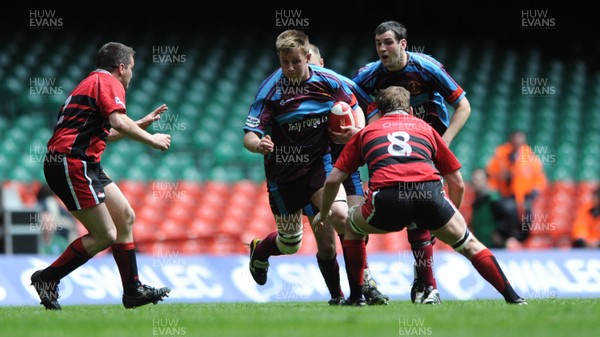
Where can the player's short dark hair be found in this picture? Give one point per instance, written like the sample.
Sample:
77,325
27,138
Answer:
112,54
396,27
393,98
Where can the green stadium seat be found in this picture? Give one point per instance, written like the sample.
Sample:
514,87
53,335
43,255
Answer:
226,174
192,173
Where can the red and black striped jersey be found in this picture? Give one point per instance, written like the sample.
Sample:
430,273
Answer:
83,126
398,148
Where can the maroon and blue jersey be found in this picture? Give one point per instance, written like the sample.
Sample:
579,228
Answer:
429,84
294,113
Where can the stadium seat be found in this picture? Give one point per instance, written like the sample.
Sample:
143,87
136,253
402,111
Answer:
213,97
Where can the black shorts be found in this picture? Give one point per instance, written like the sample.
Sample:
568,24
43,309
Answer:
287,198
393,208
78,183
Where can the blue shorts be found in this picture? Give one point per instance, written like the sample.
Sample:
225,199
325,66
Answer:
352,185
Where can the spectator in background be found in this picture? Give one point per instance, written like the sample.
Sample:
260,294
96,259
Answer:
586,228
489,217
518,174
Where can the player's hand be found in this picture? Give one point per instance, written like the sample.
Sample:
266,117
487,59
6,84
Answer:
152,117
319,222
344,136
265,145
161,141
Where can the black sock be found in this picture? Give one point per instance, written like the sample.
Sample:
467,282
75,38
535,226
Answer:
330,269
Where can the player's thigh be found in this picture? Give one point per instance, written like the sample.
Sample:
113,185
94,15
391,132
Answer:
118,206
357,223
453,230
317,197
97,220
355,200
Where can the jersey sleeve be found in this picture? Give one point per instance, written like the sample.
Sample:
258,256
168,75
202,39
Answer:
345,92
364,78
351,158
259,115
364,101
111,95
442,82
445,161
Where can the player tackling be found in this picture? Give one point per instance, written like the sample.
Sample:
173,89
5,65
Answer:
404,154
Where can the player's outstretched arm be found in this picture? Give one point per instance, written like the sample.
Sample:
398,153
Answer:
143,123
127,127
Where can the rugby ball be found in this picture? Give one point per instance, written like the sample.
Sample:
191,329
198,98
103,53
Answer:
340,115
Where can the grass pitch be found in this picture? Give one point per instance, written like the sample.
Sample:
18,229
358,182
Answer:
543,317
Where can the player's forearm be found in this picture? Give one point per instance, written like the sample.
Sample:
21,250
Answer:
456,188
329,193
359,118
125,127
251,141
458,120
330,190
116,135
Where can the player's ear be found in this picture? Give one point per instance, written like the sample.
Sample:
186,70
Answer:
403,43
410,111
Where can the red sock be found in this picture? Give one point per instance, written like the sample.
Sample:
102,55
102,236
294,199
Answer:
267,247
74,256
487,266
423,253
355,254
124,255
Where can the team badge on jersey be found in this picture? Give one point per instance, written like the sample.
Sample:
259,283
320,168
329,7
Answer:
414,87
118,101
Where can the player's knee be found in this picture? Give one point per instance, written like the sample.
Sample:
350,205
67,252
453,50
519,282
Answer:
352,226
129,216
106,238
327,250
463,242
289,243
339,217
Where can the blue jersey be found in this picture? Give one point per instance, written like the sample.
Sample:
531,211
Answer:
294,113
429,84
